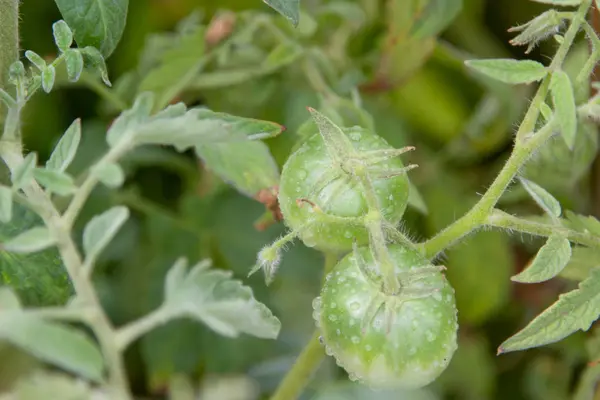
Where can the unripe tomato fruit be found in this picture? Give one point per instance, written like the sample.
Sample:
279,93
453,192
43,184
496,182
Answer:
404,340
327,220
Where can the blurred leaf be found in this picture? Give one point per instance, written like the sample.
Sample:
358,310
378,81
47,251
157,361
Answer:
97,23
30,241
509,70
6,202
560,2
212,297
288,8
228,388
55,181
46,385
547,378
61,345
541,196
573,311
177,67
101,230
66,148
436,17
583,261
355,391
8,299
248,166
564,105
110,174
23,174
38,278
583,223
548,262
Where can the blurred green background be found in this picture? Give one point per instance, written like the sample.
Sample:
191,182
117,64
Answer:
418,93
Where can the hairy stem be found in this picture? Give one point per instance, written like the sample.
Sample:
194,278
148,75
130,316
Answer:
9,37
307,362
500,219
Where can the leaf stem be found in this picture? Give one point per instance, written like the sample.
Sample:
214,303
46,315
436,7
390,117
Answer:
309,359
500,219
132,331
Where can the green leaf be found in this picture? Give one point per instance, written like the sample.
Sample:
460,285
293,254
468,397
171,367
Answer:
583,261
63,36
509,70
23,174
97,23
223,304
6,202
124,126
560,2
248,166
66,148
110,174
549,261
545,200
176,68
288,8
74,63
35,59
58,344
436,17
93,58
582,223
30,241
346,390
573,311
52,385
48,77
101,230
55,181
564,105
8,299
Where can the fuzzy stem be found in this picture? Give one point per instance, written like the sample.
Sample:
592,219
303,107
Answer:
9,37
307,362
132,331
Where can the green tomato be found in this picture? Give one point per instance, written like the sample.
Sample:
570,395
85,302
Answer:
325,211
403,340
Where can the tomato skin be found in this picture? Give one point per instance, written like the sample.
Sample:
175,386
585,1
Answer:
330,227
412,350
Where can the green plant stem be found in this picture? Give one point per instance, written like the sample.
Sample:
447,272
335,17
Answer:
525,145
101,90
132,331
500,219
309,359
9,37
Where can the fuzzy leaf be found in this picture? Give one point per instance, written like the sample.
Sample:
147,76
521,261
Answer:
48,77
63,36
35,59
97,23
288,8
74,63
223,304
573,311
436,17
564,105
549,261
509,71
5,204
30,241
101,230
55,181
23,174
582,223
66,148
61,345
110,174
544,199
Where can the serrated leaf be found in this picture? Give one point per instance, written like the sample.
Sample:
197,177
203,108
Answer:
110,174
63,36
66,148
549,261
48,77
564,105
55,181
97,23
35,59
436,17
23,174
58,344
509,70
223,304
288,8
6,202
30,241
541,196
101,230
583,261
74,63
573,311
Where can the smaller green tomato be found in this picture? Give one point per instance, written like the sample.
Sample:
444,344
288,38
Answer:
323,200
404,340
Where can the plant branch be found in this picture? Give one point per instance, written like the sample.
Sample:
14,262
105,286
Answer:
310,357
500,219
9,37
132,331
